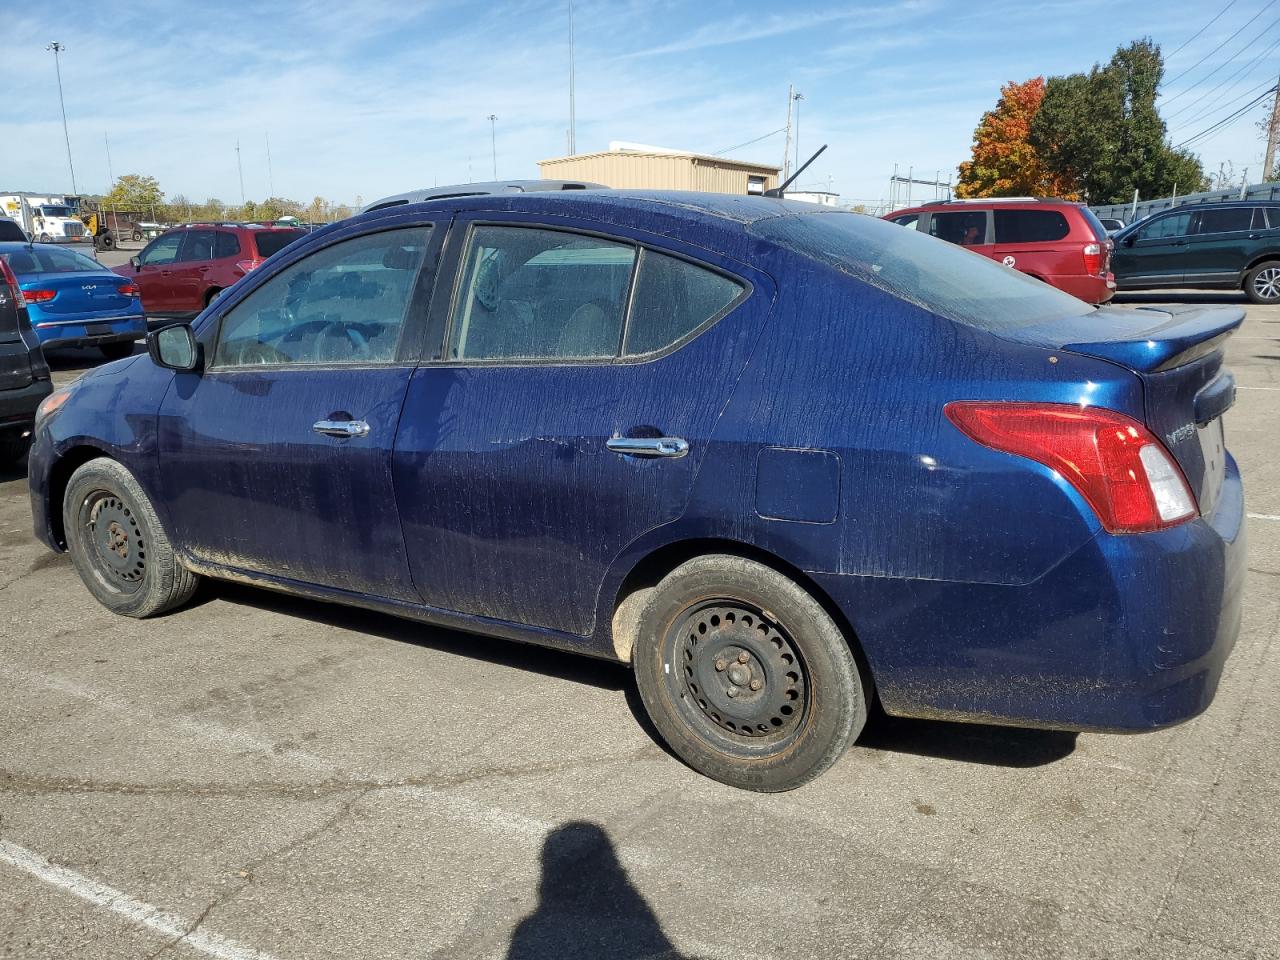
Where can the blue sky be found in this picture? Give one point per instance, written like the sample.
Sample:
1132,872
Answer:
373,97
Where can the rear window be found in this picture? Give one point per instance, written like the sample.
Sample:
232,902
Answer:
45,259
273,241
939,277
1030,226
11,231
1091,218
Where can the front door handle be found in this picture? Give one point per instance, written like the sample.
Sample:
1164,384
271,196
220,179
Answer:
341,428
649,446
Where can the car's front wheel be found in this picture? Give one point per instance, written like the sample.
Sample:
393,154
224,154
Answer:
1262,285
746,676
117,544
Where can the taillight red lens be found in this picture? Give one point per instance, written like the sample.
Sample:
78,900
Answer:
1092,258
39,296
129,290
9,280
1116,463
244,266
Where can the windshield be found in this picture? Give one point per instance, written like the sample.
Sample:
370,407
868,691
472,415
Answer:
46,259
940,277
51,211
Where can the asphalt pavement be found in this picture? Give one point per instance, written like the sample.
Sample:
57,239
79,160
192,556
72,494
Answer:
261,776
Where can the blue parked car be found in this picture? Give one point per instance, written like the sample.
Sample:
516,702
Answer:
74,301
778,458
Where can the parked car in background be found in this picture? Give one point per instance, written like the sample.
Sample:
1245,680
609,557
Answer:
74,301
1111,224
1204,246
24,374
146,231
781,459
1063,244
183,269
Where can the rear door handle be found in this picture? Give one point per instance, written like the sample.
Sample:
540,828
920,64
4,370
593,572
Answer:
673,447
341,428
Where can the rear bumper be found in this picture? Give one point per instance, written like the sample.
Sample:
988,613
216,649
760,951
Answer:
1130,633
18,407
90,332
1087,288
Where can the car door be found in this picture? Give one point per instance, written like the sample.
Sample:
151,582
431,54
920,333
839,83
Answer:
154,273
276,458
1035,242
970,229
1154,254
1221,244
567,414
188,276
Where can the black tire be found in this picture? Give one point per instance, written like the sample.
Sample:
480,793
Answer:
13,449
137,236
43,238
106,241
212,295
1262,283
116,351
127,563
717,623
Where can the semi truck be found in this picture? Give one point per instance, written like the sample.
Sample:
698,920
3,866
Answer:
46,218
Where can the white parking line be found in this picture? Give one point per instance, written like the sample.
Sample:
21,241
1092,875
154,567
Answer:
1258,388
135,911
1262,516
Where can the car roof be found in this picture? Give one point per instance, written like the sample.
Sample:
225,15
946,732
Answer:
994,203
484,188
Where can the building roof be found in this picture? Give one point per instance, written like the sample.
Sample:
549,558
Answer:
664,154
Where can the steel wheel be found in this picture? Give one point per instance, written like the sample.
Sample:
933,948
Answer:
118,549
1266,283
740,679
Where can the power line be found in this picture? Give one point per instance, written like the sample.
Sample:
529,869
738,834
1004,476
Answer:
1224,63
772,133
1215,19
1218,106
1226,120
1268,6
1227,82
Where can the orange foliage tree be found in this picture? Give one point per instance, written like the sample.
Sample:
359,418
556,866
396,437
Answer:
1004,162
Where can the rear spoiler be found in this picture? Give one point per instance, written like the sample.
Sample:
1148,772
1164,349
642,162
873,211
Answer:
1189,333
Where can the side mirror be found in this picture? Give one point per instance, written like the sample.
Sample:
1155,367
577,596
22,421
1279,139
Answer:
174,347
1128,241
135,263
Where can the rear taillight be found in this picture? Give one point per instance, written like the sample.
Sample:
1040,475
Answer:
1092,258
129,290
1116,463
9,280
245,266
39,296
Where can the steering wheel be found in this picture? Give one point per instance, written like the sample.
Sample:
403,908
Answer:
260,353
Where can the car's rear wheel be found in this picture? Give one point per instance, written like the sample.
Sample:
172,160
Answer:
211,296
43,238
115,351
117,544
137,235
1262,285
746,676
106,241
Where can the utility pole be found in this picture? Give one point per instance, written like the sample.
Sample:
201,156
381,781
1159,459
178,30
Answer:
798,96
240,170
493,141
271,179
58,48
573,124
1273,137
786,150
111,177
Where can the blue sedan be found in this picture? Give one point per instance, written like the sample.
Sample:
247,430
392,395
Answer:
74,301
779,459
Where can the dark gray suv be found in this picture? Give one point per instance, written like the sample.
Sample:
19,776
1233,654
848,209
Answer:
1204,246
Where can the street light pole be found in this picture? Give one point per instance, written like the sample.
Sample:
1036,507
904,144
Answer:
57,48
573,122
493,140
798,96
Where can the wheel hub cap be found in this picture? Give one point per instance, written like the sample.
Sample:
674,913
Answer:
1267,283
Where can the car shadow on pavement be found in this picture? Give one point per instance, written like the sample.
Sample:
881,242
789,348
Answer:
587,906
1205,297
980,743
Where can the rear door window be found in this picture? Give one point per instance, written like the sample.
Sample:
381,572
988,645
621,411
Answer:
1030,226
227,245
966,229
1167,227
1229,220
197,246
529,293
672,299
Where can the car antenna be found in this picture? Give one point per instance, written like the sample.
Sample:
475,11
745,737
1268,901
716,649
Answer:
778,191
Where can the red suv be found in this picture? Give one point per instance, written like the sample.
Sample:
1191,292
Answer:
1058,242
183,269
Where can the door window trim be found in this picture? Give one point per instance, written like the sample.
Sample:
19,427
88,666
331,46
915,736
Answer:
408,350
452,261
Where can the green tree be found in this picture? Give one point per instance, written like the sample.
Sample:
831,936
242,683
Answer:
1102,130
133,191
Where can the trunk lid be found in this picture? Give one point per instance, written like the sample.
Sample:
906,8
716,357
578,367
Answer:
78,293
1177,352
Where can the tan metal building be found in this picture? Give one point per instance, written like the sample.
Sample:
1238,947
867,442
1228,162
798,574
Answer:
659,169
